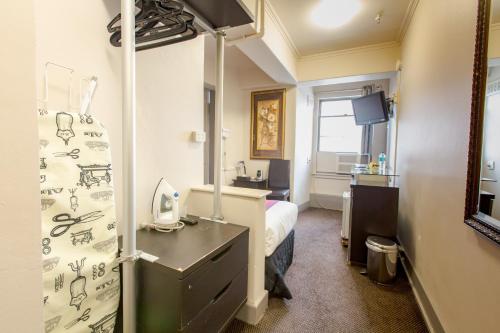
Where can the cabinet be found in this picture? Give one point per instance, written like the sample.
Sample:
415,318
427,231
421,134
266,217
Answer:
199,281
374,211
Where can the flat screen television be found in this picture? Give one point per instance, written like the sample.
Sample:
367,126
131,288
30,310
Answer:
370,109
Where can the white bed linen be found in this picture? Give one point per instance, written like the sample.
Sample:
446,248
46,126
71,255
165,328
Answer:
280,220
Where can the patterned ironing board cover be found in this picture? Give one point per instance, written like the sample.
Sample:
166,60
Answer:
81,281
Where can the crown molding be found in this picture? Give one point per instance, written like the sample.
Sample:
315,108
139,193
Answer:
365,48
269,9
410,11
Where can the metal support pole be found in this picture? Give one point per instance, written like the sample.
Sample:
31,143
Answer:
129,184
219,105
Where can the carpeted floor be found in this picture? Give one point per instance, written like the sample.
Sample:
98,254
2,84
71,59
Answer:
331,296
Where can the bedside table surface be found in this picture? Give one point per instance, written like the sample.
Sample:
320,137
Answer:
187,249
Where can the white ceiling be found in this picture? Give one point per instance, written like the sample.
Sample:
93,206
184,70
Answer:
361,30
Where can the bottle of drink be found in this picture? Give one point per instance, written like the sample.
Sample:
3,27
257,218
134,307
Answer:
381,162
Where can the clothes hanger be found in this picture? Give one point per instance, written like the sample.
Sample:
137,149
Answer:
159,23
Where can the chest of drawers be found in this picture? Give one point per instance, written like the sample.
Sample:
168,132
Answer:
199,281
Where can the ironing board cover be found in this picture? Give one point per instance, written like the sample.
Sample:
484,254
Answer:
81,282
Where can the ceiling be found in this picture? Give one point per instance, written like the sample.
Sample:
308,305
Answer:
361,30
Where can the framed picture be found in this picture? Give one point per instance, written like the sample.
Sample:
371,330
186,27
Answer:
268,124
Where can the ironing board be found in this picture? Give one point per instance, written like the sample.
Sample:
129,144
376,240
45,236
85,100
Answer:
81,281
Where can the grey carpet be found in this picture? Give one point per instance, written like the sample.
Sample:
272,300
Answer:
331,296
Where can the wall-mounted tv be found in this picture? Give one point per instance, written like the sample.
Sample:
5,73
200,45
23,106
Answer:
370,109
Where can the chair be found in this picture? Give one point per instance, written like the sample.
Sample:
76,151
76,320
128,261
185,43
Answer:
279,180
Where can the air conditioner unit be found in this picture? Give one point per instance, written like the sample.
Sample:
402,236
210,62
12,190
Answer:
346,161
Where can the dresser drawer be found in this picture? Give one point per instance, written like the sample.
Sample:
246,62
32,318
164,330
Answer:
201,287
216,315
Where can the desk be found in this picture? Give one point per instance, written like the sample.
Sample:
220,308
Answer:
260,184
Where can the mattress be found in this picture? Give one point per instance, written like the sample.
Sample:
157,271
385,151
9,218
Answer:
281,218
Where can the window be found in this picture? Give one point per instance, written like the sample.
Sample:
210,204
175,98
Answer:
337,130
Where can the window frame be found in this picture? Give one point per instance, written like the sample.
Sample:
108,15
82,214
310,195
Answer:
318,97
319,117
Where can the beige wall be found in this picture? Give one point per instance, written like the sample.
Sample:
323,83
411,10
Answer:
494,42
169,94
458,268
20,268
276,39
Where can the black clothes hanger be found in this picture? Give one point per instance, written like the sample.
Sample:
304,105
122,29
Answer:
158,23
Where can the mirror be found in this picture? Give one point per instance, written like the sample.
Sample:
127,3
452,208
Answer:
483,179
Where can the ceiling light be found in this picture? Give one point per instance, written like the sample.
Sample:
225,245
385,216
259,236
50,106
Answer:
334,13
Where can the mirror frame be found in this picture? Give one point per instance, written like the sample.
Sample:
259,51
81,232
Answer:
472,218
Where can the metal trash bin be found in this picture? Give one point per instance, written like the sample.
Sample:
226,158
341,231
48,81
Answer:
382,259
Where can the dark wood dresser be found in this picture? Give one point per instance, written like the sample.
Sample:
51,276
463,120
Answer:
199,281
260,184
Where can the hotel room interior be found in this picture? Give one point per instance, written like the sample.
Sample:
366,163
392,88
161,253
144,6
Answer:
250,166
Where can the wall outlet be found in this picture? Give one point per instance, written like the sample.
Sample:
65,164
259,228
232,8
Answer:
491,165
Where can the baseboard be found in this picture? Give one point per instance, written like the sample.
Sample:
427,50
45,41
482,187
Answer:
430,317
326,201
304,206
253,313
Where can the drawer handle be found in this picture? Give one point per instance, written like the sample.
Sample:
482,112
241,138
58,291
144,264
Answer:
222,254
221,293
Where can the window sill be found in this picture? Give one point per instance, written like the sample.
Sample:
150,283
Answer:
331,175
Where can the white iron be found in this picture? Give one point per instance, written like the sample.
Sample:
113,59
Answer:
165,207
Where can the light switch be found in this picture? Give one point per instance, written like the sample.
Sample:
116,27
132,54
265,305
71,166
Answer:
491,165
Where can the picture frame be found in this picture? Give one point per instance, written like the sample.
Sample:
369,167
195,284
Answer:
267,131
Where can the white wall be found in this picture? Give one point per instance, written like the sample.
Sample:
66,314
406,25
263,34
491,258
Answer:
20,268
458,268
241,77
169,94
303,145
84,45
169,108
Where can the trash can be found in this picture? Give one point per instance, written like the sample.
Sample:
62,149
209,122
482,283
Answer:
382,259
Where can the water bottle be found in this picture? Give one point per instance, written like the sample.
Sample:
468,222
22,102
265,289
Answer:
381,162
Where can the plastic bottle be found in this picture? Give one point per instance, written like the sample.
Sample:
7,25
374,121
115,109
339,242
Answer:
381,162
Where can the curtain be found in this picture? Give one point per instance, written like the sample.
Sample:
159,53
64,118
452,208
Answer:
367,136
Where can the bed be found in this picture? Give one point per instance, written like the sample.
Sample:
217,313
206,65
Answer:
281,217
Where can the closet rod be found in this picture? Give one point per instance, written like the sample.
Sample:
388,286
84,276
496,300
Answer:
219,109
129,252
